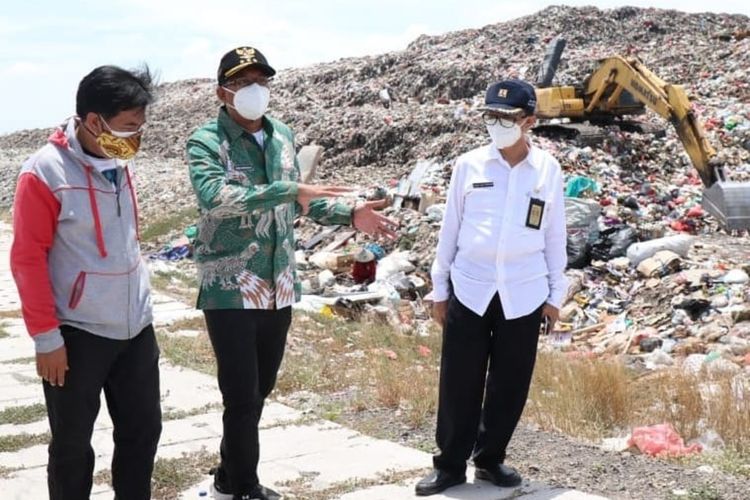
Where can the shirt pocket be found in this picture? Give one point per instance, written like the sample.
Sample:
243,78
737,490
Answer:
483,201
527,239
522,214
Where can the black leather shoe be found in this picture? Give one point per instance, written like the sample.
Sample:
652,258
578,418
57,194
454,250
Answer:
437,481
499,475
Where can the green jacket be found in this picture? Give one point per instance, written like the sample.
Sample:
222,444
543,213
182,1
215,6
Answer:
247,195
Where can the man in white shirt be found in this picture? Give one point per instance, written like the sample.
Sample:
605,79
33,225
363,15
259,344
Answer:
497,276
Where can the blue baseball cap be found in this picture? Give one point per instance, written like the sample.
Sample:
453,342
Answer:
510,96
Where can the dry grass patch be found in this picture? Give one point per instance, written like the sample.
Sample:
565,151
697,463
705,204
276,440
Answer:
12,314
171,476
19,361
694,403
15,442
175,221
377,366
599,398
176,283
374,364
26,379
197,323
195,353
579,397
412,389
180,414
703,492
104,476
6,472
18,415
301,487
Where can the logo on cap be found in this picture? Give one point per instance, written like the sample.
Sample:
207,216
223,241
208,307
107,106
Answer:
502,93
246,55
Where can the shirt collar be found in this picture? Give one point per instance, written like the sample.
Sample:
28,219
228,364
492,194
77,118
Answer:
235,131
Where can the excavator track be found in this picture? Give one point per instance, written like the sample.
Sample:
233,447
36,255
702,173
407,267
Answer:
592,134
585,134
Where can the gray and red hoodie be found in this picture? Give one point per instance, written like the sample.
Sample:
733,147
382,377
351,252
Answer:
76,255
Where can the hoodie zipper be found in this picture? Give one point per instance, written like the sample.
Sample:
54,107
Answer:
117,193
123,231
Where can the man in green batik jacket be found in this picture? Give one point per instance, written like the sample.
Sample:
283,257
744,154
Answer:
244,172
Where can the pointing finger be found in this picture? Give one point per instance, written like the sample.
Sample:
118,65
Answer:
376,204
385,221
338,189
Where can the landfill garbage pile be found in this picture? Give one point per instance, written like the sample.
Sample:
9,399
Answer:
392,124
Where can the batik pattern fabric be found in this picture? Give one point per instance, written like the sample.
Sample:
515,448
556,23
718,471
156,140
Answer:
246,194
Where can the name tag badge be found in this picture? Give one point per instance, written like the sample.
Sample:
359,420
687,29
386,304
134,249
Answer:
483,184
244,167
536,211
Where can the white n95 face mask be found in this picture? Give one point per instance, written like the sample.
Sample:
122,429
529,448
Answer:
251,102
504,137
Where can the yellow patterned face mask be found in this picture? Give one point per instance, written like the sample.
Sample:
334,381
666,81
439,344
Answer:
117,144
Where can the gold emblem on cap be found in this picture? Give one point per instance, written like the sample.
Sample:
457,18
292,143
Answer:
502,93
247,55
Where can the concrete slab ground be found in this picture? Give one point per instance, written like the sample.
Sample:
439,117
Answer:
301,455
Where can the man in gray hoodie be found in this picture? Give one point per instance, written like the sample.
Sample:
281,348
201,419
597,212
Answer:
84,287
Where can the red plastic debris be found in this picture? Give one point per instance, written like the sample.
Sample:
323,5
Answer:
661,440
695,211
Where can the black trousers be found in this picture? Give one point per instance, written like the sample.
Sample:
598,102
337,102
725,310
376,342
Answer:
128,371
485,372
249,346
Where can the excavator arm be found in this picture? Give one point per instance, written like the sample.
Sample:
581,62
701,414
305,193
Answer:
604,89
622,86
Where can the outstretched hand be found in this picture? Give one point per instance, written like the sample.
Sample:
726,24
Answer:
367,220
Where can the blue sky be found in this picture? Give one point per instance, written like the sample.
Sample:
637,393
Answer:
46,47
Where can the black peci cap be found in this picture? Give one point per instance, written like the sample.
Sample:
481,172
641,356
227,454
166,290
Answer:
240,58
510,96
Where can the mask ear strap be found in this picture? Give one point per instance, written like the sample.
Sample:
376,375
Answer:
529,122
106,125
83,124
231,92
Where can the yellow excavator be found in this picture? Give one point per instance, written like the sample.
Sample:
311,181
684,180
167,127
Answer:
621,86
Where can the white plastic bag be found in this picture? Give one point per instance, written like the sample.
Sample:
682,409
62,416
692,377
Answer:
679,244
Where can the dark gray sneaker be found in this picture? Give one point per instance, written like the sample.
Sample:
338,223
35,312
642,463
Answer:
260,492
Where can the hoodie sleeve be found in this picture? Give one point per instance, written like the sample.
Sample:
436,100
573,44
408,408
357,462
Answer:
35,214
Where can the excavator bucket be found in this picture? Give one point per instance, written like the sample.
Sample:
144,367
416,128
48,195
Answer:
729,203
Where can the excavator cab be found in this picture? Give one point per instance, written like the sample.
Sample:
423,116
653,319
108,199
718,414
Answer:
620,87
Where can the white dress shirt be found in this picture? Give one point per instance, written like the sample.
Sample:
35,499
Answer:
485,245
